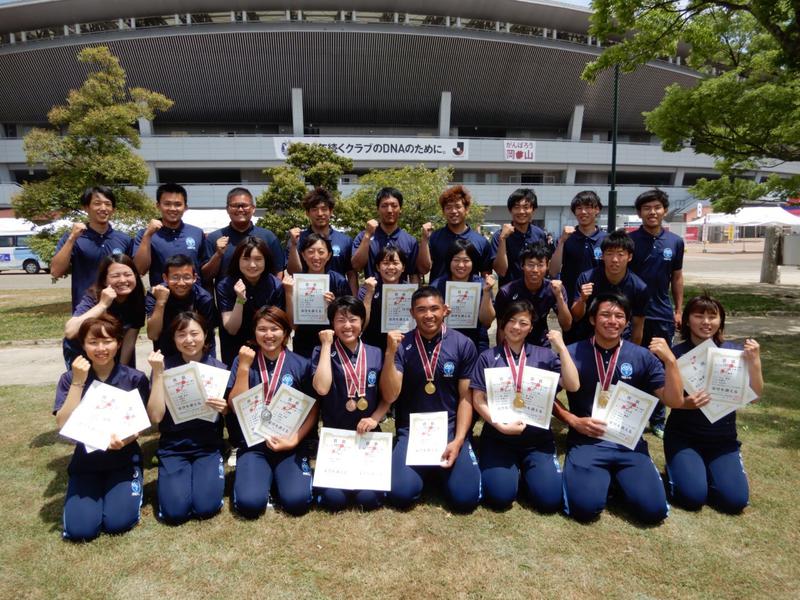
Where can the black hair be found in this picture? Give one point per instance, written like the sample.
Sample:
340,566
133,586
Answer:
701,304
585,198
319,195
388,192
171,188
389,250
514,308
617,239
135,300
521,194
538,250
426,291
100,190
308,241
347,304
177,261
239,191
652,196
245,247
462,245
181,322
612,297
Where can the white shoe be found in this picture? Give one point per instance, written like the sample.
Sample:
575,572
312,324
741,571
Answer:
232,458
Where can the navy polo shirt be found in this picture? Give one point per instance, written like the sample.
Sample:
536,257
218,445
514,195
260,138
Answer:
580,253
636,366
655,259
194,437
440,242
166,243
399,239
514,245
543,302
332,404
495,358
267,292
307,336
371,334
631,286
693,424
342,247
126,379
89,249
235,237
198,300
456,361
479,335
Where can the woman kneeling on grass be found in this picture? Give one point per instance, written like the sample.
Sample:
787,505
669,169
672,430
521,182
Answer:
104,489
703,459
191,475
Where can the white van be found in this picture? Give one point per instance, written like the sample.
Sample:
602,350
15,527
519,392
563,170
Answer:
15,254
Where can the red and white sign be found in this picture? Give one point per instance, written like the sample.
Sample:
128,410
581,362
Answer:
519,150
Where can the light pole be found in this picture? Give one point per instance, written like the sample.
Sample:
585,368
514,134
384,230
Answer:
612,193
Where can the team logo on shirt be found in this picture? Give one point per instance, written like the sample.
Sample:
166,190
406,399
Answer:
136,486
626,370
667,253
337,251
449,368
287,380
372,377
116,251
598,254
191,244
515,296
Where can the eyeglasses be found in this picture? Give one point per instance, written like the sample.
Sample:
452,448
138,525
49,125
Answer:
178,278
239,206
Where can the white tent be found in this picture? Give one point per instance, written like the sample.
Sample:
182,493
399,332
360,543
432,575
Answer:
207,219
10,225
751,215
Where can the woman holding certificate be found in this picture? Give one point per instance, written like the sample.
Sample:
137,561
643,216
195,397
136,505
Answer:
704,463
282,459
119,292
346,381
468,295
309,293
191,475
390,263
514,440
104,488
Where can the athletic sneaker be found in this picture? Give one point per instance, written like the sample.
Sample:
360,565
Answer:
658,430
232,456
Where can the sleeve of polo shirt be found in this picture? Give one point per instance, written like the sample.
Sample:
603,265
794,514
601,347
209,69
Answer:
677,260
640,299
356,242
209,242
411,267
202,251
582,279
63,241
493,246
486,255
143,386
656,378
278,258
86,304
128,245
137,241
226,296
62,389
232,377
400,356
500,303
477,379
149,304
279,296
469,355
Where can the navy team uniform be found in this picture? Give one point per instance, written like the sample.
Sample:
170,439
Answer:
398,239
234,237
258,466
342,247
532,453
306,337
704,463
580,253
631,286
591,463
514,245
480,334
166,243
543,302
440,242
462,481
198,300
334,414
372,332
191,475
89,249
104,489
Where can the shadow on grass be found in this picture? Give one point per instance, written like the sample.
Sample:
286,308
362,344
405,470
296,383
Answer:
47,438
786,430
52,309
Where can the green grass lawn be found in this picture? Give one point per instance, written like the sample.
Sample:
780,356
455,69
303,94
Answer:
33,314
425,552
753,300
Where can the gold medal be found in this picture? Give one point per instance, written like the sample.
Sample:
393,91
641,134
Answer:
362,403
603,398
430,389
350,404
518,402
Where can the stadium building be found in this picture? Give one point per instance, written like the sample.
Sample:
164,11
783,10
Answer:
491,88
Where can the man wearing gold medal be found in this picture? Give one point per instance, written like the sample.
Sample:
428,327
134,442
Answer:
428,370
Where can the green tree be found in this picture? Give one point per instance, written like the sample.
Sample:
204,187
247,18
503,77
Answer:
745,109
91,142
306,164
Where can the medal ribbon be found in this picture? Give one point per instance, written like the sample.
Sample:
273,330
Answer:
356,379
603,374
429,366
272,384
517,368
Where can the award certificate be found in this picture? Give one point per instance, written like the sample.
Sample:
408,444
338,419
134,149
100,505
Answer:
726,375
464,300
351,461
185,396
539,388
714,411
396,307
427,438
309,299
627,414
214,380
692,366
285,414
249,407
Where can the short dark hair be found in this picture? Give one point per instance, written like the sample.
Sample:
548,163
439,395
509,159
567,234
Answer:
319,195
426,291
388,251
520,194
612,297
388,192
347,304
462,245
514,308
176,261
652,196
181,322
103,326
171,188
100,190
308,241
245,247
239,191
701,304
617,239
585,198
538,251
273,314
